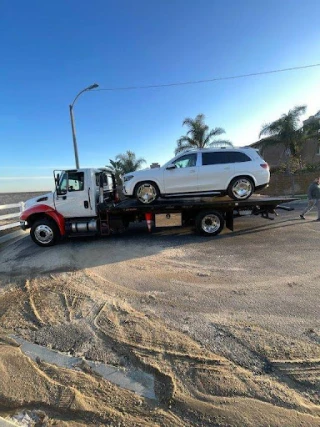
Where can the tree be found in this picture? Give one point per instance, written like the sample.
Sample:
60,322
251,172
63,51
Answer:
125,163
199,135
312,126
287,131
116,166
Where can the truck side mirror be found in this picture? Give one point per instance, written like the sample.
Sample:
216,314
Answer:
60,192
58,189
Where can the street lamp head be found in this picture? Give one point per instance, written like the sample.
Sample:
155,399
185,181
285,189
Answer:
94,86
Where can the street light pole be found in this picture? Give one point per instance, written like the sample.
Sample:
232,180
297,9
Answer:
75,147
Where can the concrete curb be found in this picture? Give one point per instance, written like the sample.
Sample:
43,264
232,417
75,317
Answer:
7,423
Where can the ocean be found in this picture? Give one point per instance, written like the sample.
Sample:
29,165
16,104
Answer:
9,198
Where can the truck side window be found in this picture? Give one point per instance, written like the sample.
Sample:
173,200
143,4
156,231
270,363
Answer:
76,181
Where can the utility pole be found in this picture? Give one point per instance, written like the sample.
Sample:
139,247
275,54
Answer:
74,138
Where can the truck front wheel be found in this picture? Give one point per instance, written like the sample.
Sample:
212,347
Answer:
209,223
45,232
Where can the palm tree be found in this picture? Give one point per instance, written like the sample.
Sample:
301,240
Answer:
116,166
199,136
286,131
125,163
312,127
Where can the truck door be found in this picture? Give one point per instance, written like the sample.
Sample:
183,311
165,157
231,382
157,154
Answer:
74,197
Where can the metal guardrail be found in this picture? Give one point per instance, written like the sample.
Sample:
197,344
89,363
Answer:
11,215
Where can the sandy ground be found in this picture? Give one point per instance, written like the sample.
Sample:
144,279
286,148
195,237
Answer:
229,326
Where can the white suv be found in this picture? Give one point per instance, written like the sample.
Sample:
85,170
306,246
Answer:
237,172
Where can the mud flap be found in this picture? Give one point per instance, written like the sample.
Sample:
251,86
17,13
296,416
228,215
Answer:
229,220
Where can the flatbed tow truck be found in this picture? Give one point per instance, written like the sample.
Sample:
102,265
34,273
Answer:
85,202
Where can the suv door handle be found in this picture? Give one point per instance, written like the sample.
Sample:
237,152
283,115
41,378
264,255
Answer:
192,171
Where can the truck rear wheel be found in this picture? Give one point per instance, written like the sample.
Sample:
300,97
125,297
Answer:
209,223
45,232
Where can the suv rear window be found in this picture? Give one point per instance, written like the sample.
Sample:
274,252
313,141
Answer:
221,157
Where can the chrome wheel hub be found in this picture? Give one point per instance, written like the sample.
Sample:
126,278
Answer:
210,223
146,193
43,234
242,188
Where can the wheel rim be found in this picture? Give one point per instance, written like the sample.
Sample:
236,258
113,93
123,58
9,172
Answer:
146,193
44,234
210,223
242,188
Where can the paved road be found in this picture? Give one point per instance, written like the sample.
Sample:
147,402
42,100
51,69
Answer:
284,246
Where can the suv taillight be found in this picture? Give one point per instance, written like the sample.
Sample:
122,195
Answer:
264,165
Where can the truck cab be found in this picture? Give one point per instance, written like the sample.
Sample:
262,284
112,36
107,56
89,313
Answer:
79,191
72,208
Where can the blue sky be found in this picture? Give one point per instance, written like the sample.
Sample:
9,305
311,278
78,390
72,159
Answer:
52,50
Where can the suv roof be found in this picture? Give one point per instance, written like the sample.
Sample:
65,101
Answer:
215,149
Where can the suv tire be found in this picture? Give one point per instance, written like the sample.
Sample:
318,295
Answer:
240,188
146,192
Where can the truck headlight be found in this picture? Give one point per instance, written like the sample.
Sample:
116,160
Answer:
127,178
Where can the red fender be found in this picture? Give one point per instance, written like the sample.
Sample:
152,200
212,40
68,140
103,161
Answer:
48,210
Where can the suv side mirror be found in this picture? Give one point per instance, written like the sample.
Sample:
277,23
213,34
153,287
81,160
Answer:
171,166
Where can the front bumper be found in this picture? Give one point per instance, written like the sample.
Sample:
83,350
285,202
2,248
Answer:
24,225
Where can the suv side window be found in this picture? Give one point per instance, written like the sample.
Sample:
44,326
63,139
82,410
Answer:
215,158
186,161
238,157
218,158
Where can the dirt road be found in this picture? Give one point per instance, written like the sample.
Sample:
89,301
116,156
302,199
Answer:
228,327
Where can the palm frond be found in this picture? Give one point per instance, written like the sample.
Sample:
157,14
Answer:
221,143
182,147
198,134
214,132
128,162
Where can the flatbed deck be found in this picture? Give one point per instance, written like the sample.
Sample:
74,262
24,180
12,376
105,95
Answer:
219,203
209,215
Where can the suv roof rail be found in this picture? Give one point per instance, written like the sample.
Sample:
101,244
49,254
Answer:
218,147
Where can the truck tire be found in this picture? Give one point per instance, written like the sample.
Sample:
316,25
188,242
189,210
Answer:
209,223
45,232
240,188
146,192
